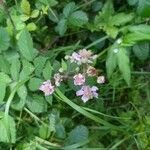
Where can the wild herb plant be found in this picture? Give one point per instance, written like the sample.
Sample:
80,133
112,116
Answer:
74,74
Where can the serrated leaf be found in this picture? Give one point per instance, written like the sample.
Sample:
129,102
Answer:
60,131
15,69
36,104
2,91
4,65
25,45
68,9
121,18
4,39
39,63
111,62
9,134
22,92
34,84
80,133
4,78
35,13
25,6
124,64
31,26
144,8
78,18
141,50
61,28
27,70
47,71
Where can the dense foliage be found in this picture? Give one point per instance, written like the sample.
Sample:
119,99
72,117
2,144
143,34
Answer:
35,38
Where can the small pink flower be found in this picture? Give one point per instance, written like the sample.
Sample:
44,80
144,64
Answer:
47,88
75,57
79,79
101,79
58,79
91,71
87,93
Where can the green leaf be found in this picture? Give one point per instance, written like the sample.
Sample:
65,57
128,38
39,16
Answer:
124,64
4,65
141,50
78,18
15,69
9,134
50,3
47,71
4,78
63,65
144,8
25,45
60,131
61,28
132,2
22,92
121,18
4,39
31,26
35,13
80,133
111,62
3,91
25,6
44,131
39,63
27,70
34,84
36,104
68,9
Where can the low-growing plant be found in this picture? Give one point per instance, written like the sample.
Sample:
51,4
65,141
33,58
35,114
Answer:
74,74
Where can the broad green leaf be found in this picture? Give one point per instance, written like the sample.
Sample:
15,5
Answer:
31,26
4,78
61,28
124,64
68,9
121,18
44,131
60,131
22,92
25,45
111,62
34,84
4,39
80,133
143,28
36,104
15,69
39,63
50,3
25,6
27,70
4,65
47,71
2,91
78,18
142,50
144,8
18,104
35,13
9,134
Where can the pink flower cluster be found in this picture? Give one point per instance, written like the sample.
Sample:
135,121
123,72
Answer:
82,58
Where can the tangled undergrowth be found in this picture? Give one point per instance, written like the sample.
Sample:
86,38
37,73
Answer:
74,74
